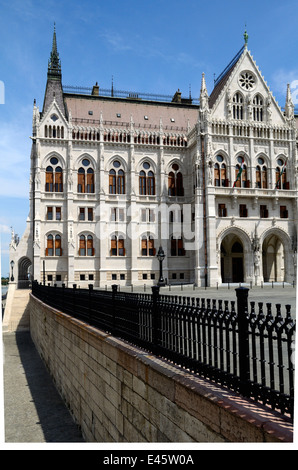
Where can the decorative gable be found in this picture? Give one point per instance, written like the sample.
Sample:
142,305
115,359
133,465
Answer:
243,94
53,123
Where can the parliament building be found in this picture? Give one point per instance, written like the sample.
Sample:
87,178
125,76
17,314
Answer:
114,176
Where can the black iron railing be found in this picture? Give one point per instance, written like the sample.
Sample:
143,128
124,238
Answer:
234,344
112,92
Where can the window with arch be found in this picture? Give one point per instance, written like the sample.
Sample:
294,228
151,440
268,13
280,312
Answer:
146,180
54,246
281,174
241,176
86,177
258,108
237,106
220,172
261,174
177,246
175,181
54,177
86,247
117,179
147,246
117,245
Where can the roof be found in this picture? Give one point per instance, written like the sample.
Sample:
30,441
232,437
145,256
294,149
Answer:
118,112
224,77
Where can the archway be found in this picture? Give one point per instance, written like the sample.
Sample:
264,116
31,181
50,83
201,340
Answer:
232,259
273,257
24,273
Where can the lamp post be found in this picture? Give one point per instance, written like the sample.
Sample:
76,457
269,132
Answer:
12,265
161,256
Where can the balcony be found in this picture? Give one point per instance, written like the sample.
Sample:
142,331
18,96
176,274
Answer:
255,192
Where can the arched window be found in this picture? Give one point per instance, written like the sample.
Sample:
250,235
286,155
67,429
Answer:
86,247
90,248
81,180
175,181
82,247
86,177
241,176
58,249
177,247
147,246
90,180
54,177
121,182
261,174
220,172
58,180
237,106
146,181
49,179
50,246
258,108
112,181
117,179
117,246
54,247
142,182
151,183
281,175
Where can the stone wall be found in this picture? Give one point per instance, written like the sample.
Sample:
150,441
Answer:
119,393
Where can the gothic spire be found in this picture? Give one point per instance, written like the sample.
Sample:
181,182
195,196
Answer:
204,94
203,84
289,107
54,91
54,65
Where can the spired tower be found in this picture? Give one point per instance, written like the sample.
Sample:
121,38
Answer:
54,89
49,169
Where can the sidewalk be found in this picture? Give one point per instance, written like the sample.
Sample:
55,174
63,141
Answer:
34,412
279,294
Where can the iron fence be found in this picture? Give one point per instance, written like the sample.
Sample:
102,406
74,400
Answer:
245,347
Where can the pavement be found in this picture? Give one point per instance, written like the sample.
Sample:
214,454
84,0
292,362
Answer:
34,412
281,293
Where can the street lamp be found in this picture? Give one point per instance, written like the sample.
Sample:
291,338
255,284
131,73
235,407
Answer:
12,265
161,256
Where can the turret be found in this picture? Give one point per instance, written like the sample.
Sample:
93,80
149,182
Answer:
204,105
289,107
54,89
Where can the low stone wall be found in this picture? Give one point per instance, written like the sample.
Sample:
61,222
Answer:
119,393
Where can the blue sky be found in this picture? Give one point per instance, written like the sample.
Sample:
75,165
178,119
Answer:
152,46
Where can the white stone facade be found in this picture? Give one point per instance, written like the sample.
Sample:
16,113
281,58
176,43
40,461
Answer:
107,229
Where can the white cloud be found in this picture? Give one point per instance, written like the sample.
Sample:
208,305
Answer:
4,228
118,42
154,48
279,83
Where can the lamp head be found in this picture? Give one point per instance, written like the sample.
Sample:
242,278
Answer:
161,255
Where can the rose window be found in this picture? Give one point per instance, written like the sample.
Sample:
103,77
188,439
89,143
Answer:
247,80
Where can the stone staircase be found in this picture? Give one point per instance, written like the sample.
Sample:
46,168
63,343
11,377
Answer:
16,314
